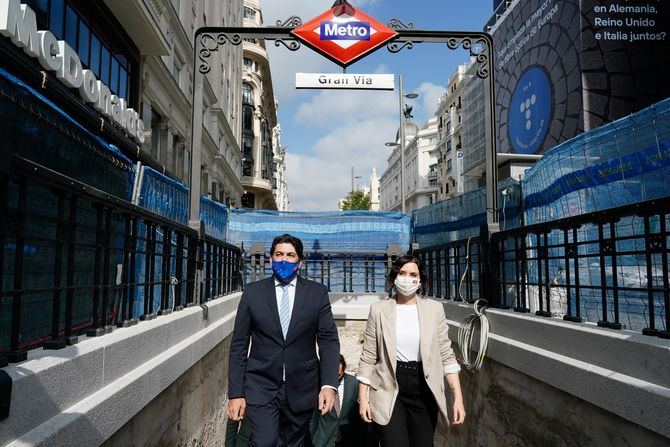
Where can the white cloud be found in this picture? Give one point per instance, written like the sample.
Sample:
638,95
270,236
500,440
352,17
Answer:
346,106
429,94
358,123
319,180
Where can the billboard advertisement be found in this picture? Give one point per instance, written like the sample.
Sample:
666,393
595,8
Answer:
625,57
565,66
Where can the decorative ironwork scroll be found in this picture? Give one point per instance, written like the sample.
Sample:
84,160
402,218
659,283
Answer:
293,22
479,48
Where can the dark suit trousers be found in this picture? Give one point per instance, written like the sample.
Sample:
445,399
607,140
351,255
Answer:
275,425
414,416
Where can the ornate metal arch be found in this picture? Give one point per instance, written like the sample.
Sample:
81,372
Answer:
479,44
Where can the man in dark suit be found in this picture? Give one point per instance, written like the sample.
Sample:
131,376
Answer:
281,380
343,426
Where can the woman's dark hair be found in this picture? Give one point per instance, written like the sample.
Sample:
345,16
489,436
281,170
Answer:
399,263
287,239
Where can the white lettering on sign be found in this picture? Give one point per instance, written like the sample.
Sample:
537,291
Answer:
18,22
351,30
345,81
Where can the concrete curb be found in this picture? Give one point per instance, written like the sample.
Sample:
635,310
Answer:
117,375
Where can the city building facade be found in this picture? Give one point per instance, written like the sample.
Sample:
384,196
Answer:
167,81
279,184
473,130
259,118
420,183
123,70
449,149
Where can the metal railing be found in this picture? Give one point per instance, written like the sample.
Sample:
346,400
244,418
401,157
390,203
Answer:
608,267
454,270
340,272
74,260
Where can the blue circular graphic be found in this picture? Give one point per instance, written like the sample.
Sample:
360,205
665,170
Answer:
529,113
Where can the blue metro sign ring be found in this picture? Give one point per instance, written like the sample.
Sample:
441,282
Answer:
346,38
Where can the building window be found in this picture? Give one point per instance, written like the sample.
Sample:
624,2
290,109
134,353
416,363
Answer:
111,66
247,94
248,200
41,8
448,165
448,145
56,18
249,13
177,157
155,134
71,22
84,43
104,65
247,130
248,64
266,147
176,68
95,55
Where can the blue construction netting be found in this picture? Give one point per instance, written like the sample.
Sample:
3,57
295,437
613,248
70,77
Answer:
34,128
215,217
169,198
461,217
164,196
623,162
620,163
336,231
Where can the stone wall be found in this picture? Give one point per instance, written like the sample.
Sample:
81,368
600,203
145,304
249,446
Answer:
190,412
507,408
351,342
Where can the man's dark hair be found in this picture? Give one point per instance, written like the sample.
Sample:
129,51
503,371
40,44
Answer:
397,265
288,239
343,362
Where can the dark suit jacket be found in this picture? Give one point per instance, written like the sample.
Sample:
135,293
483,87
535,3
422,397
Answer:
353,431
258,377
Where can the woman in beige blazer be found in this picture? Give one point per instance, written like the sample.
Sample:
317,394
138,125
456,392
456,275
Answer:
406,354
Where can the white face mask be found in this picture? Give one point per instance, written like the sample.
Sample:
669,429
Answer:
407,285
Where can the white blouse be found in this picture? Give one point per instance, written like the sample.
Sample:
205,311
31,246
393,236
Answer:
407,333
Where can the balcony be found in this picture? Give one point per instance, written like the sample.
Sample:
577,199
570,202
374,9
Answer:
141,20
249,181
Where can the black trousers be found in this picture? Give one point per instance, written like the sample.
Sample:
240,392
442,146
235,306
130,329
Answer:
414,415
275,425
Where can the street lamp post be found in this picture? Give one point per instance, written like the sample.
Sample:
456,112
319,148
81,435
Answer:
401,114
353,177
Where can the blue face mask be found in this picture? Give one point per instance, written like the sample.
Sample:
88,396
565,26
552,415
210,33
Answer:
285,270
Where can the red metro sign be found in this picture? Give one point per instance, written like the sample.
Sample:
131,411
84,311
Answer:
344,36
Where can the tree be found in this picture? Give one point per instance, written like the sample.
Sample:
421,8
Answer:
356,200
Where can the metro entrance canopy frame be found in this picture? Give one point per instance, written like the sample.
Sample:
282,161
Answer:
480,45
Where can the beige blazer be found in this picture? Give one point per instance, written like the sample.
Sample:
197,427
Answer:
378,360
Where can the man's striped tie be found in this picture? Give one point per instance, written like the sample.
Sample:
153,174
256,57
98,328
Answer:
284,311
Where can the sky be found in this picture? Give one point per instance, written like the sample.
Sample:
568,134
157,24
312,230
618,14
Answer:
326,132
